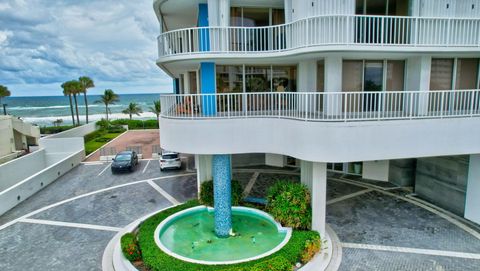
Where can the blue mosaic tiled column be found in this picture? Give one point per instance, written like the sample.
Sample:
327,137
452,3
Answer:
222,194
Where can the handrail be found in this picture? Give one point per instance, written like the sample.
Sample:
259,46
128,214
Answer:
347,30
324,106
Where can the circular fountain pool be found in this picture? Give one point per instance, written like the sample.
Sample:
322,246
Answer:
189,235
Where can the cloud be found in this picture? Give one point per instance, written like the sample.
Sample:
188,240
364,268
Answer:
44,43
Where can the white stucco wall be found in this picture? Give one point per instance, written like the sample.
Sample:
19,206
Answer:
75,132
324,142
472,203
274,160
17,170
376,170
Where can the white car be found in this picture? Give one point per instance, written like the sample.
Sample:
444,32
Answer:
170,160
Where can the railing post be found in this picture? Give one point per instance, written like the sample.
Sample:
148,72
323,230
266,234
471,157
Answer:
191,105
411,105
278,104
345,104
228,105
472,102
306,105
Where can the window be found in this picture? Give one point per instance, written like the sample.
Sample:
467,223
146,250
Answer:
284,78
321,76
352,75
229,79
441,74
395,75
467,73
382,7
253,17
257,79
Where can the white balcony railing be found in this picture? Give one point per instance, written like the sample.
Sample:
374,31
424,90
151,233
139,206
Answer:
325,106
348,30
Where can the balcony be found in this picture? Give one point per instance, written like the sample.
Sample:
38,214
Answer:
324,127
336,32
325,106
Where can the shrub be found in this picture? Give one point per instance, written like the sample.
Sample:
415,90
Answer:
91,136
103,124
115,129
151,124
289,204
54,129
206,193
136,124
130,248
312,247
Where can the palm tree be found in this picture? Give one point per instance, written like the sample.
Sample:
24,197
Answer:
86,83
68,92
74,88
156,108
4,92
132,108
108,97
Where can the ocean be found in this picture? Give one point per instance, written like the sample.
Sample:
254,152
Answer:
44,110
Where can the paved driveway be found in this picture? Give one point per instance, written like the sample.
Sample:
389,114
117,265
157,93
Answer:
67,225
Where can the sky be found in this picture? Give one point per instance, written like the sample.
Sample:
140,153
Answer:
44,43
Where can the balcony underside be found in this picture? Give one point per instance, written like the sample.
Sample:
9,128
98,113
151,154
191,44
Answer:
321,141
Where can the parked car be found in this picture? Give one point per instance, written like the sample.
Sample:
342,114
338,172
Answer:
169,160
125,161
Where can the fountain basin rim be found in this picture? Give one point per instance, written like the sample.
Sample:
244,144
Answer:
169,219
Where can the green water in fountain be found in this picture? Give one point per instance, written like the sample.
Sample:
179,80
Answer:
192,235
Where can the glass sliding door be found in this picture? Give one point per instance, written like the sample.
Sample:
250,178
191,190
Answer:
441,79
229,81
466,78
395,83
372,82
257,80
352,77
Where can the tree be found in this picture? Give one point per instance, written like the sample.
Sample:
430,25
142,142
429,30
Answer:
156,108
86,83
74,88
109,97
132,108
68,92
4,92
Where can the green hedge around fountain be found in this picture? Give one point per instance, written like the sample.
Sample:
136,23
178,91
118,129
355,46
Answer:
156,260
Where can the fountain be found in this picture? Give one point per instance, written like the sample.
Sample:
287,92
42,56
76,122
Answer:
223,234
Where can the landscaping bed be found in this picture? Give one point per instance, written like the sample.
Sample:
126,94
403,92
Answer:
99,138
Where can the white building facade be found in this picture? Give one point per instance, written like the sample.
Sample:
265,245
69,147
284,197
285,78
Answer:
385,89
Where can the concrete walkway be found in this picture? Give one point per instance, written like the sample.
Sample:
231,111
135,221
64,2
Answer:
67,225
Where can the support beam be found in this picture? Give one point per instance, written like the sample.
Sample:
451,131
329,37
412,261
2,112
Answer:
314,176
274,160
319,197
222,194
418,78
333,83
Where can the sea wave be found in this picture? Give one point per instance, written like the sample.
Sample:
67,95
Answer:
48,121
19,108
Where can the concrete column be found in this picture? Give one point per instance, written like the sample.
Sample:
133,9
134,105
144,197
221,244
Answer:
333,83
314,176
306,168
274,160
208,84
472,201
307,76
186,83
222,193
319,196
376,170
418,79
203,163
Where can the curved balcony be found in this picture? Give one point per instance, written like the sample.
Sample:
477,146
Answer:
336,32
324,127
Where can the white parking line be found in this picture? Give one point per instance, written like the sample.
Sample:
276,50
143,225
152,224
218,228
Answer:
163,193
69,224
414,250
10,223
145,168
91,163
101,172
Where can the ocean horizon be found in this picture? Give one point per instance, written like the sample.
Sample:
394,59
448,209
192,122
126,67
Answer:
44,110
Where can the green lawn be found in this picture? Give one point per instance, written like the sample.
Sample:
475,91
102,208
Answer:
98,142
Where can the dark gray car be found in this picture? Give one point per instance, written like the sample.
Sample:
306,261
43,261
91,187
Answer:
125,161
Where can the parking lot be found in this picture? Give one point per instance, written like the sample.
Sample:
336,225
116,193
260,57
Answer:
142,141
